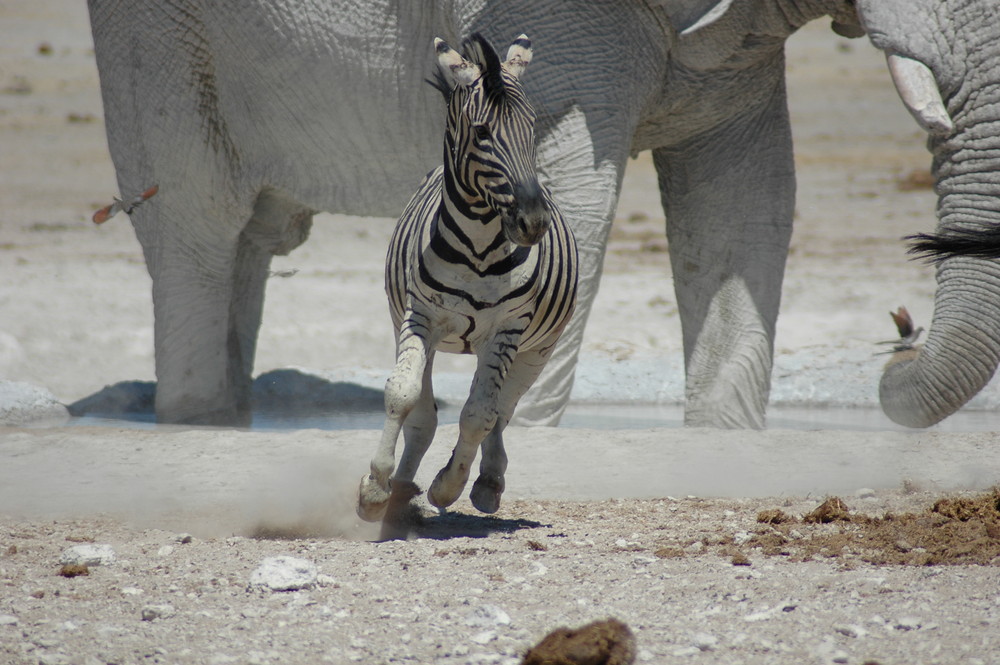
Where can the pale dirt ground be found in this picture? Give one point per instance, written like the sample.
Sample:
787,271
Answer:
607,530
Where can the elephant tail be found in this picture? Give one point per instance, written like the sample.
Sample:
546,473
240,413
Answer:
982,242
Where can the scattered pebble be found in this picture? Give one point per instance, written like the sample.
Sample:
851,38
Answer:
908,623
487,616
88,555
153,612
484,637
8,620
704,641
285,573
850,630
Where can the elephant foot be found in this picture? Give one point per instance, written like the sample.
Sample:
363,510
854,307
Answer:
372,499
486,491
444,491
401,516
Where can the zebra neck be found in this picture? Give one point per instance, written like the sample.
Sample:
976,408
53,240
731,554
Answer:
469,225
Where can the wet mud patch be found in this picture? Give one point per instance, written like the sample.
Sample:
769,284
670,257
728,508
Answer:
952,531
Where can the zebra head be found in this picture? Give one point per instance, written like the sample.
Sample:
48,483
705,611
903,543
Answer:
490,135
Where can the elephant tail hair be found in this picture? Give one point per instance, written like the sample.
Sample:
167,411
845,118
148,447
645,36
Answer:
983,242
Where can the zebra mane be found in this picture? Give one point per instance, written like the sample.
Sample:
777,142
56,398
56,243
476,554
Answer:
476,49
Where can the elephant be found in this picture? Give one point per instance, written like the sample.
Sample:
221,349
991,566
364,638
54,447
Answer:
944,57
251,116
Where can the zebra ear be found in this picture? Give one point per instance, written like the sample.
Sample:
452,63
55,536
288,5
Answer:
518,56
454,66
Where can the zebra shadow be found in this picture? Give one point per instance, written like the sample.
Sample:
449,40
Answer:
451,525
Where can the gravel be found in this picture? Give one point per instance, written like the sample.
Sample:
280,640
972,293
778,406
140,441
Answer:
480,589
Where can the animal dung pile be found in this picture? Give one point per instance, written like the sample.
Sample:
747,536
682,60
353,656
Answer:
607,642
952,531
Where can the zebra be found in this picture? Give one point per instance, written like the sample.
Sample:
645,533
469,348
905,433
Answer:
481,261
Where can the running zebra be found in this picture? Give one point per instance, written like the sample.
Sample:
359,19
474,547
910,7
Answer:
481,262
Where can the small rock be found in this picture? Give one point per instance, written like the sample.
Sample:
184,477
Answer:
865,493
741,537
681,652
8,620
487,616
697,547
326,580
484,637
166,550
153,612
839,656
704,641
908,623
184,538
88,555
285,573
850,630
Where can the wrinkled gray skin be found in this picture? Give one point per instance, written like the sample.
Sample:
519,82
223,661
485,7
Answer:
252,115
958,41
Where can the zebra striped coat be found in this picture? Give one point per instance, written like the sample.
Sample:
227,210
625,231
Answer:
481,262
457,287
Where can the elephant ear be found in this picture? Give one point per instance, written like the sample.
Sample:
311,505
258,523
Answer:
687,16
455,68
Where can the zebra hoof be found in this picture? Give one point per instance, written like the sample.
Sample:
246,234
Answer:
401,516
485,495
440,497
372,499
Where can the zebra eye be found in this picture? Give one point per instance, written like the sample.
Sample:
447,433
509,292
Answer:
482,132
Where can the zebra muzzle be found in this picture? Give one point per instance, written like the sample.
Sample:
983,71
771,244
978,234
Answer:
529,218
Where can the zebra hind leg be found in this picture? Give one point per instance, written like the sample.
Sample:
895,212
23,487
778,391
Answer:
490,484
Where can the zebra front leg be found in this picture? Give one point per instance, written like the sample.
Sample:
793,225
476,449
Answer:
489,486
479,416
402,393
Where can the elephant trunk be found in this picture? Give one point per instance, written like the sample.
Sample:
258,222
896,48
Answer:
921,388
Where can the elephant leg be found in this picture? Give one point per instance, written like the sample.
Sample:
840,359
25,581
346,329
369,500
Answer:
729,199
208,297
192,298
586,190
489,486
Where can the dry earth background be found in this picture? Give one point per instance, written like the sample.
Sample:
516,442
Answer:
658,527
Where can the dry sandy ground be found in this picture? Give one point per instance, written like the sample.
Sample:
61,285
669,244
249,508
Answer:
591,526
